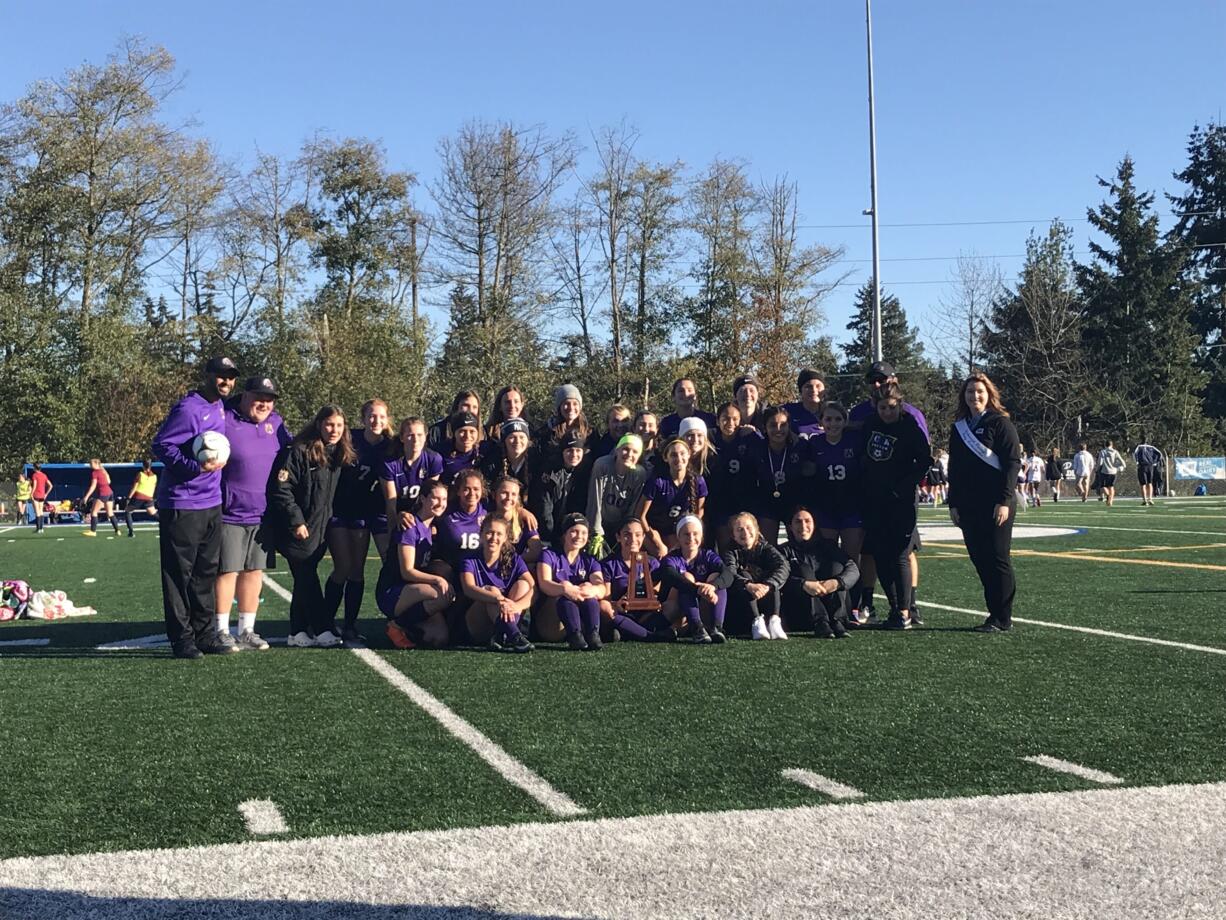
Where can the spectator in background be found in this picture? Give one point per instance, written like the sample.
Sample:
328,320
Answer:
102,495
40,488
1054,473
140,496
1149,460
1110,465
24,491
1083,469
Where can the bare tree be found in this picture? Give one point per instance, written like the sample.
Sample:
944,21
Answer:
573,244
960,326
653,221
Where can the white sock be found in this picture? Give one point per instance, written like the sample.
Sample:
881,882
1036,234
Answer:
246,622
223,622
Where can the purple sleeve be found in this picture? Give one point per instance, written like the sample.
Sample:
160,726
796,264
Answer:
470,566
700,487
920,420
179,428
434,464
283,435
651,489
518,570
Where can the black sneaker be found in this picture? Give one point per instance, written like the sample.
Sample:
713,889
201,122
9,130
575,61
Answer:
823,631
717,636
839,630
220,644
699,635
519,644
496,646
576,642
897,621
351,636
667,634
186,648
615,635
990,626
593,641
915,617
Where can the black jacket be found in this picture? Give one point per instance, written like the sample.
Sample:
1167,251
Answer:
300,492
973,484
556,493
762,564
895,459
817,560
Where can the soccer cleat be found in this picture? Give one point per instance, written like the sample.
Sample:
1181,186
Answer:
250,640
775,628
300,640
823,630
186,648
132,533
88,533
222,644
593,641
496,645
839,630
717,636
990,626
328,639
351,636
397,636
519,644
915,617
758,630
576,642
897,621
699,635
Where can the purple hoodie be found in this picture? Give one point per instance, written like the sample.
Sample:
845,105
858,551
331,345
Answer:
183,486
244,478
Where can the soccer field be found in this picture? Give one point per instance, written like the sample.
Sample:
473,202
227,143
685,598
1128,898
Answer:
1073,767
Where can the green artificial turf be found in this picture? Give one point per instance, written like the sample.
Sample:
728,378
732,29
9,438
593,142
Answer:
118,750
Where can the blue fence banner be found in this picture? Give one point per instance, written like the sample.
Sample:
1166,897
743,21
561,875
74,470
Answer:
1200,467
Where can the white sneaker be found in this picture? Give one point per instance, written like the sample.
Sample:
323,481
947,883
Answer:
300,640
775,628
327,639
759,630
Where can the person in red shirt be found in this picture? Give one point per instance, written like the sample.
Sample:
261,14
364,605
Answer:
41,486
103,496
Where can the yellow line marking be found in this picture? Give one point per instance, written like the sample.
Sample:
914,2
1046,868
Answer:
1161,563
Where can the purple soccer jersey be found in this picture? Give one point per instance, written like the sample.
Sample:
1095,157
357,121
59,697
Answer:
577,573
182,484
244,479
408,478
454,464
865,411
459,535
491,576
669,501
704,564
838,480
806,424
617,573
525,536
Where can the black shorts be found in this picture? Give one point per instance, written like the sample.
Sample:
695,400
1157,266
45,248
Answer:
1106,480
1147,475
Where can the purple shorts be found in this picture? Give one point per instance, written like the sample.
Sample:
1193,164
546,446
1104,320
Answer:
387,599
838,520
348,523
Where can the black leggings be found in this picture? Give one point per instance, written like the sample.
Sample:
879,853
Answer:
890,537
804,611
306,608
989,546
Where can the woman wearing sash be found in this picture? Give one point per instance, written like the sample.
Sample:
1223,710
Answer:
984,459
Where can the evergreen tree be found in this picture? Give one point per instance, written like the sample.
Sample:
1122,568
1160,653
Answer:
1201,230
900,346
1138,337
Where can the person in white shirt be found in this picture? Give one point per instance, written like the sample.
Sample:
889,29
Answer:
1110,465
1083,469
1034,479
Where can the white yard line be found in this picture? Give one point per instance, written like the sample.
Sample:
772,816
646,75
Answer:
262,817
1074,769
1106,633
1125,853
822,784
506,766
7,529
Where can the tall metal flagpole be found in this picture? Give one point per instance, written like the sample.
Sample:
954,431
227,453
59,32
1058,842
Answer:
872,160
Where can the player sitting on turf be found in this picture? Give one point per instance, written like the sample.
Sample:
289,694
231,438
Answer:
413,599
819,575
647,625
572,586
696,581
500,590
760,575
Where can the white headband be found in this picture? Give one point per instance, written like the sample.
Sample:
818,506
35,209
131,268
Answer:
688,519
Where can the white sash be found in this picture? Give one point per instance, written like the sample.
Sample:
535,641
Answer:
977,447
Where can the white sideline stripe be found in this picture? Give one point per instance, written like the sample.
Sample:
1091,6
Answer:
510,769
822,784
506,766
1187,646
262,817
7,529
12,643
1074,769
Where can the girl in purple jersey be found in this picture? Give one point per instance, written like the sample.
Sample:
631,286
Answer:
696,583
404,477
507,495
731,473
571,583
357,515
413,599
508,404
465,450
667,498
497,585
783,472
456,532
837,453
646,626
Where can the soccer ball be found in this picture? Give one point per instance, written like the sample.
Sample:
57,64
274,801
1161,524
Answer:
211,445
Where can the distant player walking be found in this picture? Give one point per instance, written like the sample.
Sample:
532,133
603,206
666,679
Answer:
1149,460
99,495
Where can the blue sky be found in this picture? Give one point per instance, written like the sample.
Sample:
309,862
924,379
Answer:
986,112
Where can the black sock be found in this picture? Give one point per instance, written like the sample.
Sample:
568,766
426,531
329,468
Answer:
333,592
353,600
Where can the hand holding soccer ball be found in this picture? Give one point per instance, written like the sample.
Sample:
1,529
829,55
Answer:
212,450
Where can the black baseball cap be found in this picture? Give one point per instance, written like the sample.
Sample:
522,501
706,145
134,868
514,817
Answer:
221,367
880,370
262,385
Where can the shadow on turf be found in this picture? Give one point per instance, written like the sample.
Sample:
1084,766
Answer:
30,904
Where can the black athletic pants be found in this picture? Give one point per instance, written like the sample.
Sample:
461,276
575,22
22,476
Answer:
988,547
189,543
743,610
889,536
306,608
802,610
